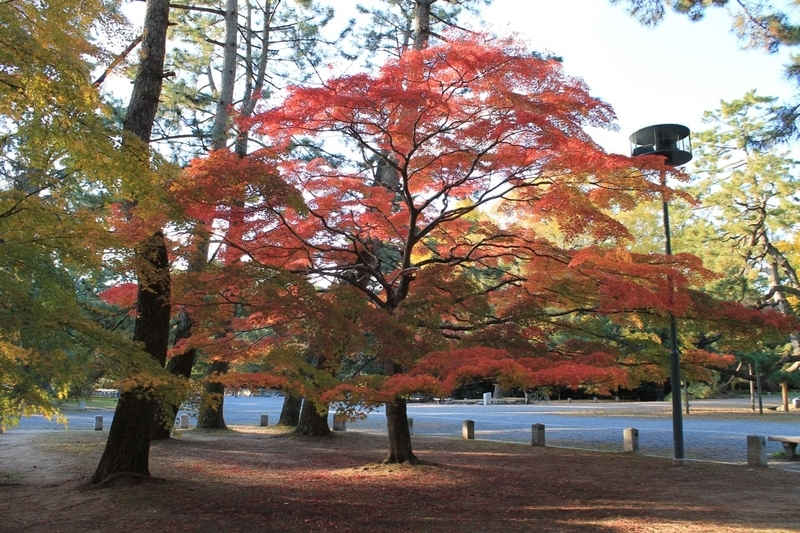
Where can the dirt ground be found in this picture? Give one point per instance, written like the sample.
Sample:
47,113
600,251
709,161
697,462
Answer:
260,479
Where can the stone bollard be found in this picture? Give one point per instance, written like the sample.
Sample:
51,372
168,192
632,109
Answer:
630,440
98,423
411,426
81,406
468,429
594,399
569,400
339,423
264,421
757,451
487,398
796,403
537,435
616,398
184,421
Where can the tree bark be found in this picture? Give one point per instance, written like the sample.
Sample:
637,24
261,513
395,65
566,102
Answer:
211,415
311,422
127,452
399,434
179,365
422,23
128,446
290,413
219,132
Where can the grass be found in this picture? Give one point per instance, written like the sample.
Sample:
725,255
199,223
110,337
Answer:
94,402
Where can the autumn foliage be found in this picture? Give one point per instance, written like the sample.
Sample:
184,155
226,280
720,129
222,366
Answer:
446,218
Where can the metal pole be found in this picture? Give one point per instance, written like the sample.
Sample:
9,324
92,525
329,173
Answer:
674,361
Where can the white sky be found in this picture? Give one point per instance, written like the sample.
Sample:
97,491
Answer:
667,74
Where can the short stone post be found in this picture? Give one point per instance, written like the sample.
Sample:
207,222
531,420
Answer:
796,403
757,451
264,421
468,429
487,398
98,423
594,399
630,440
184,421
81,406
339,423
411,425
569,400
537,435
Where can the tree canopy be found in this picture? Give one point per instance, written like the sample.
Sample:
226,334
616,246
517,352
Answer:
412,199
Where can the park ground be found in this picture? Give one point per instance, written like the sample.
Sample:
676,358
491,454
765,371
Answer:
253,479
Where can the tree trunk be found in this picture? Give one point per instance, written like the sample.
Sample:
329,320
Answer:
179,365
127,452
422,24
399,434
290,413
221,127
128,446
311,422
211,416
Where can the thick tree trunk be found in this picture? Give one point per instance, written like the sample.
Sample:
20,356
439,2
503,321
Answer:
399,434
127,452
311,422
290,413
211,416
128,447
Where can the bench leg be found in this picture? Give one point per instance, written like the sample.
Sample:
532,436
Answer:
789,449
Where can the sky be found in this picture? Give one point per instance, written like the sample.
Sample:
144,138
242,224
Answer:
671,73
668,74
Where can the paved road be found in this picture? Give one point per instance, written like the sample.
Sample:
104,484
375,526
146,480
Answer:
579,424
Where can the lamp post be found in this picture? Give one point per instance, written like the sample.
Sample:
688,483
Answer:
672,142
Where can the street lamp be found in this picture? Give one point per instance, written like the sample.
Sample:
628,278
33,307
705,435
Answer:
673,143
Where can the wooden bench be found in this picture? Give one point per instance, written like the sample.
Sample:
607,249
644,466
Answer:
789,445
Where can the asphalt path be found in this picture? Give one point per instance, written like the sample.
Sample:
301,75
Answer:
586,425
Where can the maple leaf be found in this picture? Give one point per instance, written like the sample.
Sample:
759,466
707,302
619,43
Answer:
122,295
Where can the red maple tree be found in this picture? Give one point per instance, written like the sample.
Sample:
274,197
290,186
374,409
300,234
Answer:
422,189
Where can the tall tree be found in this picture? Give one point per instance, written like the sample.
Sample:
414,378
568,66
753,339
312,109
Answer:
405,25
747,214
477,123
278,40
57,161
127,450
